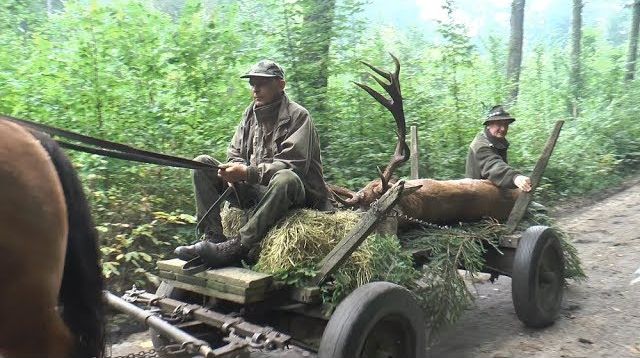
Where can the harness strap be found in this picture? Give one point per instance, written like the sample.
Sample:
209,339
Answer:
217,203
111,149
132,156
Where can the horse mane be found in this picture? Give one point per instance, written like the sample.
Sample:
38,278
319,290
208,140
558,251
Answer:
80,295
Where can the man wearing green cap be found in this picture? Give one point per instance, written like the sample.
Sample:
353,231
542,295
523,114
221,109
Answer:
273,163
487,157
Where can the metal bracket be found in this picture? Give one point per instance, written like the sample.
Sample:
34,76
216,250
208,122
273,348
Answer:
509,241
132,295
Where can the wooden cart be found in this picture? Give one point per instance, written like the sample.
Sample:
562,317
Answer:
236,312
239,313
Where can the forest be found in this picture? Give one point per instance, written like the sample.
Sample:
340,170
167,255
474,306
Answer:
164,76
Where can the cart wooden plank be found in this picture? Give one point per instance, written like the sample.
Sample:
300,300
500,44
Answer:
172,265
234,276
525,197
237,290
167,275
218,294
238,276
197,279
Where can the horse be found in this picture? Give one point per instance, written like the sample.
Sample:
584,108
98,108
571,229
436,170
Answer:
50,279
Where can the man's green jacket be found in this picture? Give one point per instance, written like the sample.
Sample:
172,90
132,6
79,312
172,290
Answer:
487,159
284,140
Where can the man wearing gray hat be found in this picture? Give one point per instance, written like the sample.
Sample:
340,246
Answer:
487,157
273,163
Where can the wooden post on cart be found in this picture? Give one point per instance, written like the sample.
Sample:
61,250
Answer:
525,197
415,155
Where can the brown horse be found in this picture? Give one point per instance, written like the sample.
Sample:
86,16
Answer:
50,279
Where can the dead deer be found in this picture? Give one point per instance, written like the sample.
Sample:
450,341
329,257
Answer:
434,201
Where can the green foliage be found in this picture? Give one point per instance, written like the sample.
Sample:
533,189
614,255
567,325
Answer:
443,293
129,250
164,77
441,289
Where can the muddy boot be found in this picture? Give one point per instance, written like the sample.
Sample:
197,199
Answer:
216,236
189,252
186,253
222,254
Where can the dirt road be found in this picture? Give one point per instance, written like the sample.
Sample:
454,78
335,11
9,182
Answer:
600,317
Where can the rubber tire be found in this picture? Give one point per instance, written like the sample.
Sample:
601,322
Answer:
158,340
363,312
537,279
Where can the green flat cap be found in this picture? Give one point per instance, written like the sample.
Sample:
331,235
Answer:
265,68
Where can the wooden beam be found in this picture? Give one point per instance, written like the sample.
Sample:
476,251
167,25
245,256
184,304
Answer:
524,198
415,155
356,236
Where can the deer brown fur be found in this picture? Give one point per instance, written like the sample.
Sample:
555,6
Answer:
448,201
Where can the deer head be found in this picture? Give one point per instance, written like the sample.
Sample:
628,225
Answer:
375,189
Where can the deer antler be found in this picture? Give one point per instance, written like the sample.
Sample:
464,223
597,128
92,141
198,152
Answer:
394,105
352,198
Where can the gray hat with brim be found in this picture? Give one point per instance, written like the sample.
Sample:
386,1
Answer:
497,113
265,68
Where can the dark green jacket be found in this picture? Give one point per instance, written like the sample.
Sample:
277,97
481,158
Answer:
291,142
487,159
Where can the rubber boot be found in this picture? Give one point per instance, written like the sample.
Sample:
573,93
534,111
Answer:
189,252
222,254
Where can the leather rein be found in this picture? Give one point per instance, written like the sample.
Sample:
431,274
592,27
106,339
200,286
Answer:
110,149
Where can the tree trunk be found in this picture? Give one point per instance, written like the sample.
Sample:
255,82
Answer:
312,73
633,42
515,48
576,62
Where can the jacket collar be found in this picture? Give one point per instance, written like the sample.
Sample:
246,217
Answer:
268,113
283,113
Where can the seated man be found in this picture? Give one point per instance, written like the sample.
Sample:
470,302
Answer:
273,163
487,157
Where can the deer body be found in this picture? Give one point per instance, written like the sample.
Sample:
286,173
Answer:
448,201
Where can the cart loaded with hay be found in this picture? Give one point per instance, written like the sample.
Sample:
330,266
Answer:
365,283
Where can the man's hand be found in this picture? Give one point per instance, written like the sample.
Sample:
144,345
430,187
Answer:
522,182
232,172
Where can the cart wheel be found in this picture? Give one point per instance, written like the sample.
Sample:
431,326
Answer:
379,319
537,280
158,341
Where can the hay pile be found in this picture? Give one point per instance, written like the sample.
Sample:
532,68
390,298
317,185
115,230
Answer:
293,248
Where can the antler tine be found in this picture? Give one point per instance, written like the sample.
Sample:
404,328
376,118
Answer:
344,202
393,87
395,106
377,96
383,180
352,197
397,71
382,73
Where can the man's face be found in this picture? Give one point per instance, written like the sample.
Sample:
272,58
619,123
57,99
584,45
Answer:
498,129
266,89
